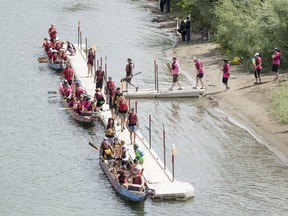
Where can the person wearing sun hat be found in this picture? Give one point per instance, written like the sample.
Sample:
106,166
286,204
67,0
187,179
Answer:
258,67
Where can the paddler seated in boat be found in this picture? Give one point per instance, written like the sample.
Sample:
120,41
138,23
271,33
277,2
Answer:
110,131
99,98
135,166
62,56
54,56
125,156
80,108
62,86
67,91
107,152
121,177
72,102
79,90
137,179
59,45
139,153
92,107
50,53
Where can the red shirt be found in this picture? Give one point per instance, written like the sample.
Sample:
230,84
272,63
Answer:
52,32
99,74
68,73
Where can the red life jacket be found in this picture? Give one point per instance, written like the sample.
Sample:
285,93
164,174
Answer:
128,69
98,95
100,74
132,119
137,179
110,85
123,106
122,177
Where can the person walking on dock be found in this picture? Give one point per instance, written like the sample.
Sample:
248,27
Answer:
226,73
132,124
199,72
122,109
90,62
129,74
99,78
110,90
175,73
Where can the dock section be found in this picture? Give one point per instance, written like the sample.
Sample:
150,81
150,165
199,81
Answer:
158,178
186,92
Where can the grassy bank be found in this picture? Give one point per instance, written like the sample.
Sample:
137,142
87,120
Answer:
279,107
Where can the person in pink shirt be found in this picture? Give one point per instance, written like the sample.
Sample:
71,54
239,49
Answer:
67,91
226,73
175,73
258,67
276,62
79,90
199,72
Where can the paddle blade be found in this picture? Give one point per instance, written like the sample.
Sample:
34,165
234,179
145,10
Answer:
52,92
91,144
43,60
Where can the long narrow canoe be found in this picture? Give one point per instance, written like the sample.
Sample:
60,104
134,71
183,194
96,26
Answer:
87,120
127,194
57,66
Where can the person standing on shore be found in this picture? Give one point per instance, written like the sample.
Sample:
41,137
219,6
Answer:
90,62
258,67
226,73
99,78
183,30
199,72
175,73
188,23
276,62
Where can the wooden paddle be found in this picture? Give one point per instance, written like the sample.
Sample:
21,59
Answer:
169,67
63,108
94,146
52,92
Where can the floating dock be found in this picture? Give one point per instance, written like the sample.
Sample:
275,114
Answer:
186,92
159,178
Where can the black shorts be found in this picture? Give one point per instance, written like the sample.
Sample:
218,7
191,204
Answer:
99,84
69,82
275,68
200,75
225,80
175,77
110,102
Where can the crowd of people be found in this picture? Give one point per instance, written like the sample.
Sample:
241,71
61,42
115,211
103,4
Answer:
54,48
225,70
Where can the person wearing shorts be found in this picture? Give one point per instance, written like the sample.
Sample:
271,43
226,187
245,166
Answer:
276,62
226,73
122,111
175,73
199,72
132,124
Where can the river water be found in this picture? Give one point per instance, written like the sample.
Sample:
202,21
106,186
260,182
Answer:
46,165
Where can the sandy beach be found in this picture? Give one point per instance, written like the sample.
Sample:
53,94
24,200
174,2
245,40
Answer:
245,102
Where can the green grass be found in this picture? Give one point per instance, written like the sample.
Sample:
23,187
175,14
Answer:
279,107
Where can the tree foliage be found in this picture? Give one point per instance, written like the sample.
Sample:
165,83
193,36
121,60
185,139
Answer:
243,27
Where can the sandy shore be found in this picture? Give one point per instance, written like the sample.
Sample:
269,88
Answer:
245,102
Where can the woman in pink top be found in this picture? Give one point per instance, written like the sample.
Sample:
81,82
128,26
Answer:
258,67
226,73
276,62
175,73
199,72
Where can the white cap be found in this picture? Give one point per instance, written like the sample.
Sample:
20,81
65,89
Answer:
194,58
256,54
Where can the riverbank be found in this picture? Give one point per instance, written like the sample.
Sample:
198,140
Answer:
245,102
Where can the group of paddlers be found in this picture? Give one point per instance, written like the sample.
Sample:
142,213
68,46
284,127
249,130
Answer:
55,49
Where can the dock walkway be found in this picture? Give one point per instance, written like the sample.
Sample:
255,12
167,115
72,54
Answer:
158,178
